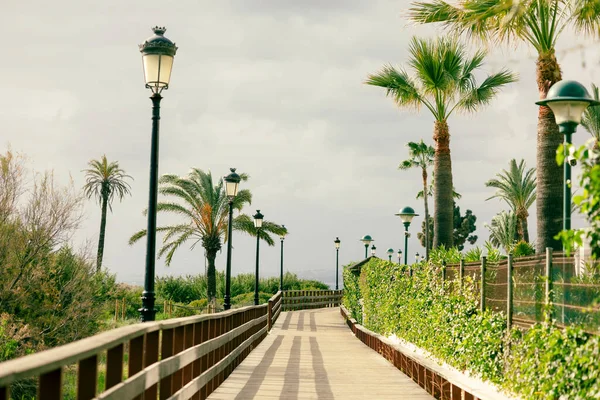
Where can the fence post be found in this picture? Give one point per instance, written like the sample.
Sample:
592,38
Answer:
443,275
269,315
461,272
483,265
549,294
509,292
123,311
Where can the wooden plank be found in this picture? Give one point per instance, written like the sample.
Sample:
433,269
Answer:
114,366
50,385
87,376
166,351
151,356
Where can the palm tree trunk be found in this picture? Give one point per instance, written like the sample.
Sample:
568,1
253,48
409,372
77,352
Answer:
211,275
525,229
549,174
427,243
102,234
443,213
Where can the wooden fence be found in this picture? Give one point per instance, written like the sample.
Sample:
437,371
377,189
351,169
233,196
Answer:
196,355
439,381
308,299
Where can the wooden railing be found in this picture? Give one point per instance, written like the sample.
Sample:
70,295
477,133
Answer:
440,381
307,299
196,355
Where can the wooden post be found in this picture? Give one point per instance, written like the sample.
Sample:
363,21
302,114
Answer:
116,309
165,308
443,274
549,293
269,314
461,272
483,265
509,292
123,310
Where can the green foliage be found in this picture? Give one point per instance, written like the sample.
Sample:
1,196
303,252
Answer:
464,226
523,249
544,362
503,230
588,200
247,299
440,255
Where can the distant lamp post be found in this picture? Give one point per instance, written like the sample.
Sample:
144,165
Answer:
416,257
390,253
367,239
337,259
399,256
282,237
232,184
567,100
406,215
373,248
157,57
258,220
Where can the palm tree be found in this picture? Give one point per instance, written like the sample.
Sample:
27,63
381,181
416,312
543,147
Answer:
591,118
205,207
503,229
517,188
538,23
443,82
421,156
104,181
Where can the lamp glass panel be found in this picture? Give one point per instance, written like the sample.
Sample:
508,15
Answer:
157,69
366,241
258,223
568,111
231,188
337,245
407,217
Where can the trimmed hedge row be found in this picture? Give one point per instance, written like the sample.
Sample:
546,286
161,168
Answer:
542,363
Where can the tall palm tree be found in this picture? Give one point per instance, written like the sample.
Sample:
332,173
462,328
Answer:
104,181
204,206
538,23
443,82
591,117
421,156
503,229
517,188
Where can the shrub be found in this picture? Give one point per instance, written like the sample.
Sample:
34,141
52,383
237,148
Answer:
523,249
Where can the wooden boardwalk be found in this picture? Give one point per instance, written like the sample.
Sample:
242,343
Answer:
312,354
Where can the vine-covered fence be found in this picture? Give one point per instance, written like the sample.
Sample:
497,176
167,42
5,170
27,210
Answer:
526,286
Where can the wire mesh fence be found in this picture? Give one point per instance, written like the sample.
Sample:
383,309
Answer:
524,288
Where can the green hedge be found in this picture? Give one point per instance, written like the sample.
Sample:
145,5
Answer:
542,363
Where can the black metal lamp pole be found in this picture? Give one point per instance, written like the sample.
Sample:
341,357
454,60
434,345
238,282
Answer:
337,259
367,239
157,55
406,215
258,219
282,237
232,182
567,100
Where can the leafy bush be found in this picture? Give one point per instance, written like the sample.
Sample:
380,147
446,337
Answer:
523,249
247,299
543,363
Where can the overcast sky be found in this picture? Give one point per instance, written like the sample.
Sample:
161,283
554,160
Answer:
274,88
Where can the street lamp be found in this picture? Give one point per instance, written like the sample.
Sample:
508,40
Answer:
337,258
367,241
232,184
282,237
417,257
406,215
390,253
399,256
157,57
567,100
373,248
258,220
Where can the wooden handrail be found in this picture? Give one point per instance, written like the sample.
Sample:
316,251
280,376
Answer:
203,349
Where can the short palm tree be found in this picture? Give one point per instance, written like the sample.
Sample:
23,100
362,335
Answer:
443,82
204,207
503,230
591,117
517,188
104,181
538,23
421,156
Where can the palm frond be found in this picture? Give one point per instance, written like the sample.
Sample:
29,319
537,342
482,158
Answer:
591,117
489,88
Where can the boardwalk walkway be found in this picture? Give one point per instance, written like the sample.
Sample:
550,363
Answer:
313,355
